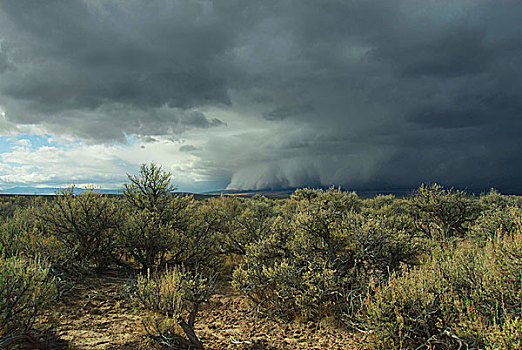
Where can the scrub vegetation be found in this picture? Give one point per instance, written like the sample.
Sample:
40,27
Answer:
439,269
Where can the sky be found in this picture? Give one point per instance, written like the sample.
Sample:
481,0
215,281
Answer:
262,94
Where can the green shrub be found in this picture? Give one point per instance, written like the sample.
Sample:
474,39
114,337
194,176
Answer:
414,310
289,291
317,219
256,219
151,190
494,199
494,221
173,299
379,202
470,296
505,337
146,238
379,245
10,204
21,234
157,222
85,223
26,288
185,239
443,214
236,222
320,255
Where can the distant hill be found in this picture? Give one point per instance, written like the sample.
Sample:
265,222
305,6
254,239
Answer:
51,191
46,191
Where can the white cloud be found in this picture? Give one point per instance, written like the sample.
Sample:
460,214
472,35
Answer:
81,164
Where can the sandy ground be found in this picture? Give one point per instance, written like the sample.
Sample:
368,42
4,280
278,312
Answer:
228,323
96,315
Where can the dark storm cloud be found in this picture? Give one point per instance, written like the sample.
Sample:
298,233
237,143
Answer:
355,93
287,111
77,57
4,64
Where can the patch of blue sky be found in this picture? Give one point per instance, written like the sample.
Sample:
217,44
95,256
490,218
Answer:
45,140
131,140
6,144
36,141
32,142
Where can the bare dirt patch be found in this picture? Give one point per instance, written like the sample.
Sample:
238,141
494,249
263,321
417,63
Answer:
228,323
96,315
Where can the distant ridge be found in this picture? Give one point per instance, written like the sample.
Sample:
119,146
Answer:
49,191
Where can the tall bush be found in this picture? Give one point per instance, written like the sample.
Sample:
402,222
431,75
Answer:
86,223
156,219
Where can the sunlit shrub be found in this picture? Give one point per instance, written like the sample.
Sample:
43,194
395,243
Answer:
508,336
220,217
10,204
497,220
236,222
289,291
156,220
380,244
85,223
470,296
494,199
144,238
26,288
443,214
318,219
320,255
24,235
21,234
414,310
196,247
173,299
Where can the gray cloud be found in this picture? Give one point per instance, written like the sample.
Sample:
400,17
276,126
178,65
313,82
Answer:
287,111
81,57
188,148
4,63
363,94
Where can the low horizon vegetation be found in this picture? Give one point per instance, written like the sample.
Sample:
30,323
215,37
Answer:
437,269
